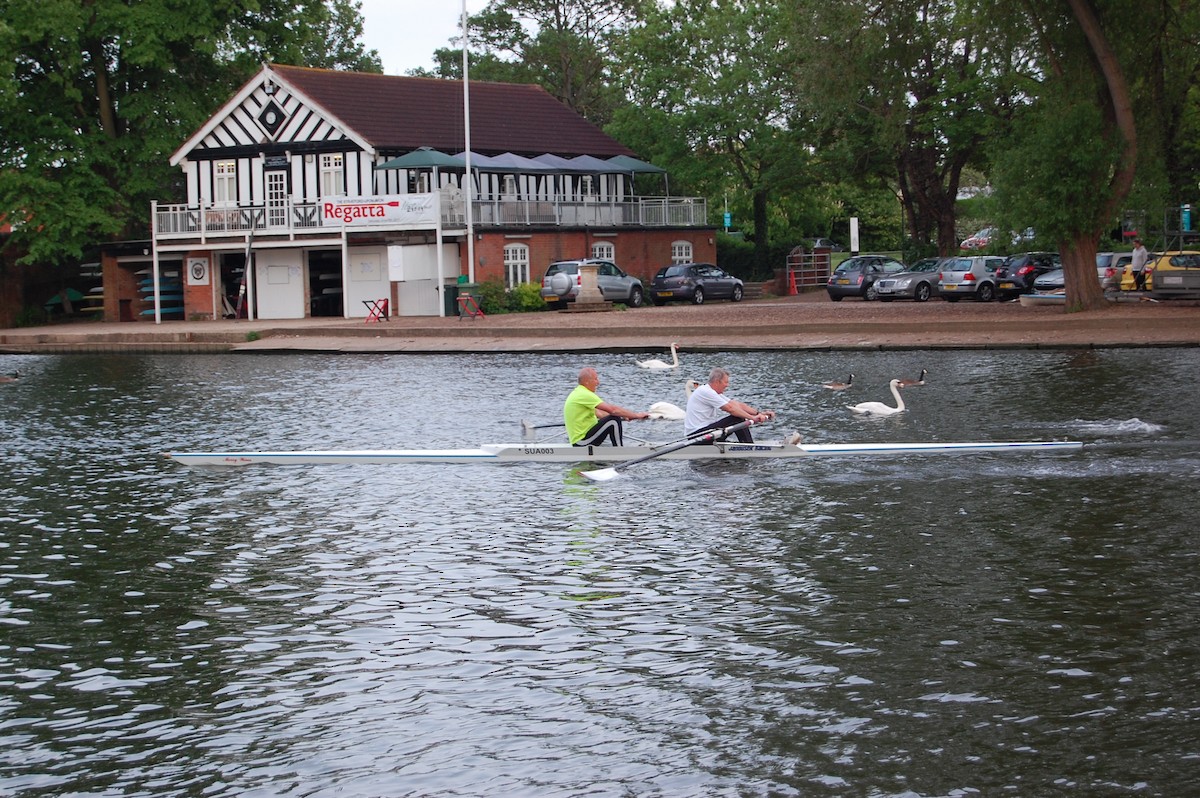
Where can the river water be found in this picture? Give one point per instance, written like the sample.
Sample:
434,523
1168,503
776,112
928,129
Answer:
1016,624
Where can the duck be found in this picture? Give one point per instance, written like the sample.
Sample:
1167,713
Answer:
16,375
908,383
668,411
839,386
879,408
655,363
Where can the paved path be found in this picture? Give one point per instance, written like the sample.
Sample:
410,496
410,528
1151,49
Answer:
808,321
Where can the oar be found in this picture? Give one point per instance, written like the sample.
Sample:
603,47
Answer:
528,427
605,474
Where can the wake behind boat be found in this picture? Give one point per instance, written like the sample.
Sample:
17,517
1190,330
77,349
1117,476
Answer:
565,453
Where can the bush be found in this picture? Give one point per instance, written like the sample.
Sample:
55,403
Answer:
494,298
30,317
526,298
736,256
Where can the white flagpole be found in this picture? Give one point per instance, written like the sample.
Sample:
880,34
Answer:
469,190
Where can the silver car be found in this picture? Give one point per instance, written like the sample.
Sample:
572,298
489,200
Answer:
918,283
972,277
562,281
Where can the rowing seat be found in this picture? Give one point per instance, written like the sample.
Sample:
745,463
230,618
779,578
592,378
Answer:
377,310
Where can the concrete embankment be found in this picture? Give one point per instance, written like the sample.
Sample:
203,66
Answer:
808,321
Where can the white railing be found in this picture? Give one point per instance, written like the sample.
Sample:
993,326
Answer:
184,221
639,212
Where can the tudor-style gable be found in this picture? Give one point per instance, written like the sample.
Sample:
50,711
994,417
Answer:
269,115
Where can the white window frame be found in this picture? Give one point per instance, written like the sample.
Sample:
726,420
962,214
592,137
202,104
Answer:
681,252
224,183
516,264
604,250
333,175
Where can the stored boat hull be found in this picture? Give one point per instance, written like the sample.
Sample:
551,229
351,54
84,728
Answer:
563,453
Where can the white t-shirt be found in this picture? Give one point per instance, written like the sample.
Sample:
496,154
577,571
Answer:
704,408
1140,256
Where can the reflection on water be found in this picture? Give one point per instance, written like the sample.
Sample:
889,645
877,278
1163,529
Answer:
937,626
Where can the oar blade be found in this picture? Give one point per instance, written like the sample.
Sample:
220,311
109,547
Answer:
601,474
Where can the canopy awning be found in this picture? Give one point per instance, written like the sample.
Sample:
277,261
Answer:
561,164
425,158
630,164
507,163
596,166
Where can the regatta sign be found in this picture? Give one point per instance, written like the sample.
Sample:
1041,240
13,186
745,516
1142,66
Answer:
416,210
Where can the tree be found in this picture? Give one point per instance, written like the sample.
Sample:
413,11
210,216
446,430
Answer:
563,46
97,94
1071,153
710,92
910,90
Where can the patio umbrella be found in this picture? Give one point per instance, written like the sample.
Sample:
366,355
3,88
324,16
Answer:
425,158
634,166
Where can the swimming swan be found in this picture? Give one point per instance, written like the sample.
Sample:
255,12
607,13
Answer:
655,363
671,412
879,408
839,386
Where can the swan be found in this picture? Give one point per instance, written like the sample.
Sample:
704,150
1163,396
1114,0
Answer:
657,364
918,381
671,412
879,408
839,386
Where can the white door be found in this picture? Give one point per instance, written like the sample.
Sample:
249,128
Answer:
277,197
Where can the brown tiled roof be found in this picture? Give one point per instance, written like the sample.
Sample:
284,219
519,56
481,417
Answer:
401,114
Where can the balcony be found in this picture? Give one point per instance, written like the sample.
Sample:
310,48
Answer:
404,212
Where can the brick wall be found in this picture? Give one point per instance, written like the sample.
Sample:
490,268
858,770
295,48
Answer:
641,253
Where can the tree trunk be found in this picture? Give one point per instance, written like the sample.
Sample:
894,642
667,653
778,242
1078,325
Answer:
1079,273
762,264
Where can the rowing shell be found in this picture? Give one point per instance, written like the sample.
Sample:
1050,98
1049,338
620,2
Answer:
565,453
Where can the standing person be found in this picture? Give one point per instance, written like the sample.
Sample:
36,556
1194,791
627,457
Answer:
1138,265
590,419
708,408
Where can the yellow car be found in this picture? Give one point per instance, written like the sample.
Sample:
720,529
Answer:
1170,274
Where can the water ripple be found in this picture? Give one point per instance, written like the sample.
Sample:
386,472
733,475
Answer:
931,626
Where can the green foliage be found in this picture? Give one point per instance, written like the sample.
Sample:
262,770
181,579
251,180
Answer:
492,297
712,92
30,316
253,335
526,298
1054,167
96,96
561,45
737,257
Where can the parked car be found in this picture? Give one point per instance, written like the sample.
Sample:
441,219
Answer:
973,276
826,243
979,240
856,276
1109,266
1016,275
1174,275
695,283
1052,282
919,283
1023,237
562,281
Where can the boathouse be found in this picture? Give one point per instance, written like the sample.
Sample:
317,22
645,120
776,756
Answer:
315,192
